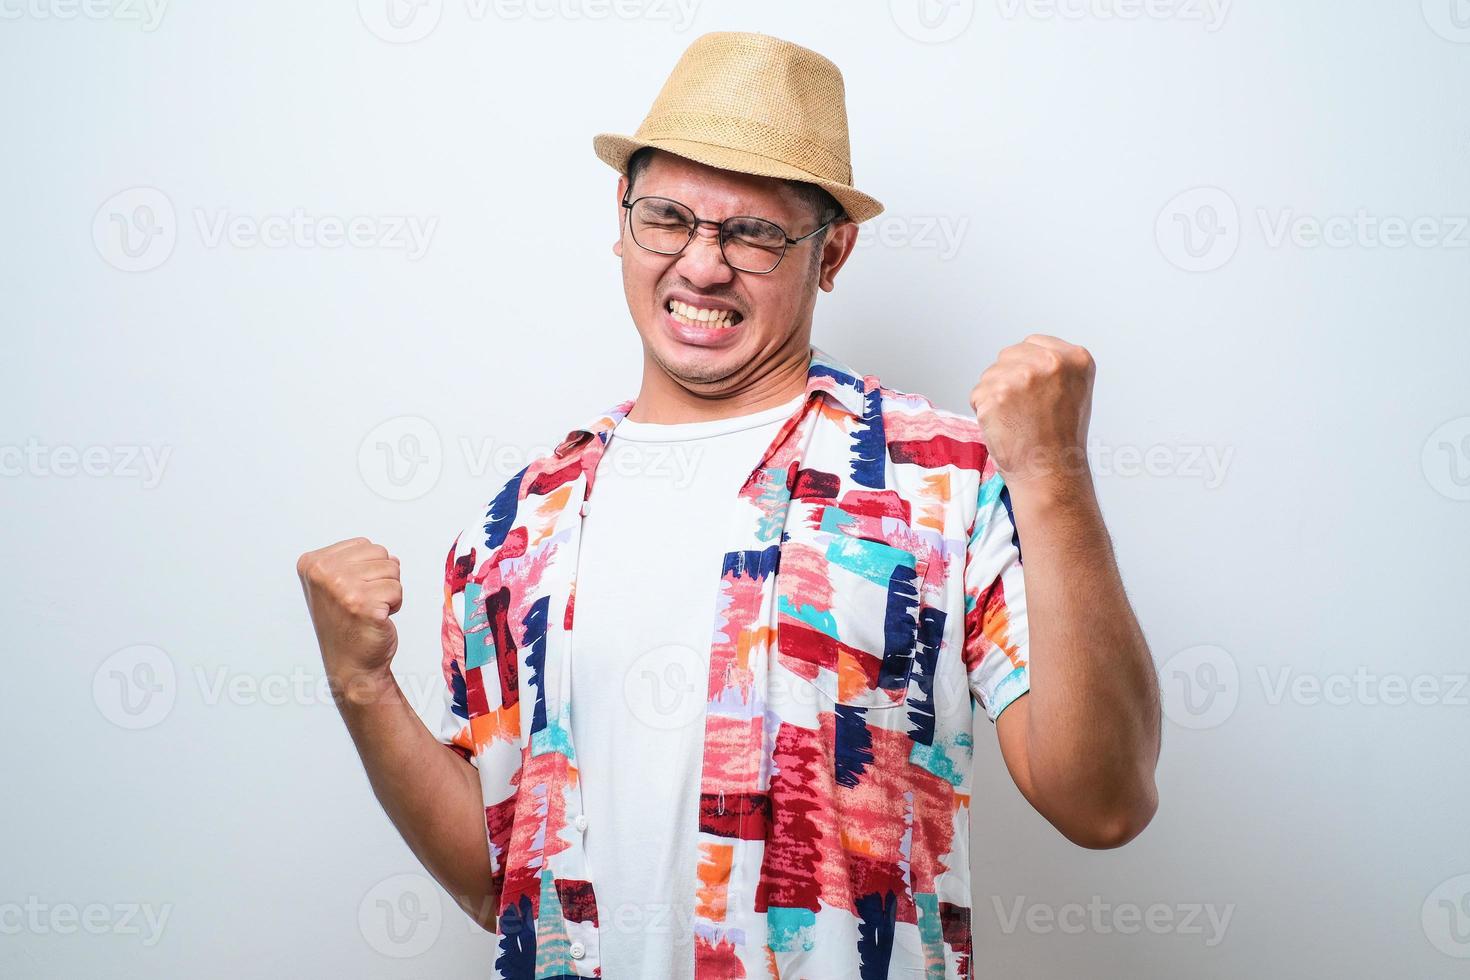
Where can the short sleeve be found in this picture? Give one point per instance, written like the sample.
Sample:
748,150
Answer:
996,647
453,728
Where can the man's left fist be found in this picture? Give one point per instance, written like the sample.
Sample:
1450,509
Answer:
1033,405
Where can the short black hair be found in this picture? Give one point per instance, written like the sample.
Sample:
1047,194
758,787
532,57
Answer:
823,204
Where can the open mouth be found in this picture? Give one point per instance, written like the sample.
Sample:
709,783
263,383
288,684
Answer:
695,316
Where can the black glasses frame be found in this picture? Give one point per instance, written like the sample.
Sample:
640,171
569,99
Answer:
724,234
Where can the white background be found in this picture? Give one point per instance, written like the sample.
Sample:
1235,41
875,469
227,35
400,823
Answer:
1141,178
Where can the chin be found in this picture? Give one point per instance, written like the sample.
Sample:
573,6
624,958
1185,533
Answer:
694,364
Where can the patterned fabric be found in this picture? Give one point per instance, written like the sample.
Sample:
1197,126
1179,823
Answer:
870,599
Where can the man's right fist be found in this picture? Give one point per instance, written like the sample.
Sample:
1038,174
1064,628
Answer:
352,587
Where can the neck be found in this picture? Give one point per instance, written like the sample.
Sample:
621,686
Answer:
665,400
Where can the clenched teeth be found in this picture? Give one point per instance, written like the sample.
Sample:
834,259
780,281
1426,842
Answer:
698,317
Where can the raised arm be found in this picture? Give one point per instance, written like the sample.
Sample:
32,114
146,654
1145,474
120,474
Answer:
1083,744
429,791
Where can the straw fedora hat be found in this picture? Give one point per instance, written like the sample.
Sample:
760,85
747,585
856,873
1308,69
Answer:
754,104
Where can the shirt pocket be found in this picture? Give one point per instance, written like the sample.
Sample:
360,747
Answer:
847,613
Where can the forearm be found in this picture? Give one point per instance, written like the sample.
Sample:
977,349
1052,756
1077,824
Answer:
1092,729
429,791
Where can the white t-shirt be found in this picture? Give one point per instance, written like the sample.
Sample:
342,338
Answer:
654,539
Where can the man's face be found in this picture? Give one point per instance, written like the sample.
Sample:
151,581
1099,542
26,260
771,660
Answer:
769,312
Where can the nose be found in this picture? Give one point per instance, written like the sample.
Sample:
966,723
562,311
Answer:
701,262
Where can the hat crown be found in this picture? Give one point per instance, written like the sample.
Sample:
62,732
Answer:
755,90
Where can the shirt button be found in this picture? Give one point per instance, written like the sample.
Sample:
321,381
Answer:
578,951
580,821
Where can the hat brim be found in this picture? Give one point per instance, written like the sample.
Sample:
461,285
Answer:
614,150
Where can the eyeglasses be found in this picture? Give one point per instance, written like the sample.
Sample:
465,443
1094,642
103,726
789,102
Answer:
748,244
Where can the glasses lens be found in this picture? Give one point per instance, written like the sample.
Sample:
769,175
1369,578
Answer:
661,225
753,244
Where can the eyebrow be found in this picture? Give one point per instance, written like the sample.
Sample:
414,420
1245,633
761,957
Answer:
745,222
664,206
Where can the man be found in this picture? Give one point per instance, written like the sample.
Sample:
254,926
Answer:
751,757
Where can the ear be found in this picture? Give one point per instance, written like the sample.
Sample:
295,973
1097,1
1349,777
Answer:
835,250
622,189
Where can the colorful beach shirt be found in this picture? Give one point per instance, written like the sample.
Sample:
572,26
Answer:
869,606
